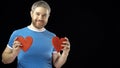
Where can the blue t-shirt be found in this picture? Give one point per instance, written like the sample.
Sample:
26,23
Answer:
39,55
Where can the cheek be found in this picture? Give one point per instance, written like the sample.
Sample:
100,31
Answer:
46,19
33,18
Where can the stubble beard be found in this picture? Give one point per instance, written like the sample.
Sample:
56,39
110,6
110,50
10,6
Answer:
38,25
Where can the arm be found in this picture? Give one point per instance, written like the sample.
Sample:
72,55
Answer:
9,54
60,59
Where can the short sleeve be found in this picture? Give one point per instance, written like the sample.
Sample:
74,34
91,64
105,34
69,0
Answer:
12,38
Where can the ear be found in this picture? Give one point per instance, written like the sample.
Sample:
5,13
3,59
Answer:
48,15
31,13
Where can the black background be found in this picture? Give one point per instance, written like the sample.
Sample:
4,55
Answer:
92,27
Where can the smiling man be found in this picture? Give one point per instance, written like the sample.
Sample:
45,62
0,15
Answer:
41,54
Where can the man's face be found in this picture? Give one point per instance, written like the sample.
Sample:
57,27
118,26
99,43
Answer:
39,17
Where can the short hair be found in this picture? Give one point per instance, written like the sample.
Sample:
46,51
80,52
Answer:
40,3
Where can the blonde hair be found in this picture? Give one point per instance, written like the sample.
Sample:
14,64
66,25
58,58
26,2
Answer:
40,3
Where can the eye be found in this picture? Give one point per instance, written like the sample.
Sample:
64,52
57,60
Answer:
37,14
44,15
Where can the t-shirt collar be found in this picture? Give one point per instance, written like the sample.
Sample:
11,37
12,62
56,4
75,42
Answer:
31,27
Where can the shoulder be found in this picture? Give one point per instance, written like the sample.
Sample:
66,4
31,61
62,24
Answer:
21,29
17,31
50,33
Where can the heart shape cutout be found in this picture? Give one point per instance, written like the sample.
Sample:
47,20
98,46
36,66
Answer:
57,42
26,42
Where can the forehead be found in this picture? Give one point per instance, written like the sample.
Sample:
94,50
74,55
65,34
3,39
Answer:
41,10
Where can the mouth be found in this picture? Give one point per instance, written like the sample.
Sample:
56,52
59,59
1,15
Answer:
40,21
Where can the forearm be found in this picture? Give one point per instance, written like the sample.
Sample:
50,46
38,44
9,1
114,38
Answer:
8,57
61,60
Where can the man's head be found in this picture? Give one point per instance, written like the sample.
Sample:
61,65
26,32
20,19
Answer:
40,12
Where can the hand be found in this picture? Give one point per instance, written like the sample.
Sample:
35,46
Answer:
66,45
16,46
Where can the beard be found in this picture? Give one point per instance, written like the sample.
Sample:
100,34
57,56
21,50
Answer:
39,24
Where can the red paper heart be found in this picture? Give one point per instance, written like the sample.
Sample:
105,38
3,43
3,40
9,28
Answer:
57,42
26,42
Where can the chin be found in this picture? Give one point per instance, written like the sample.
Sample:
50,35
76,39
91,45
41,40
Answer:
39,27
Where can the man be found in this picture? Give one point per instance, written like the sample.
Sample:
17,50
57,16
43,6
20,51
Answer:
41,54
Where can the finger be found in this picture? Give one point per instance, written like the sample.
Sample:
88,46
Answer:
65,43
17,43
66,38
65,47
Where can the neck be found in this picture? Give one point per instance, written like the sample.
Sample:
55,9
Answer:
36,29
